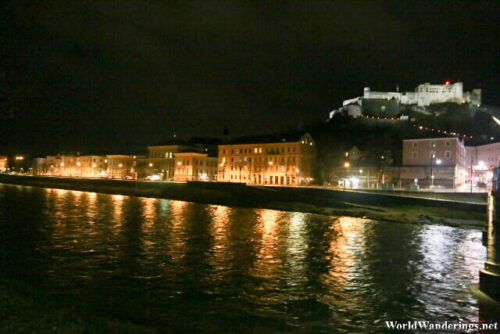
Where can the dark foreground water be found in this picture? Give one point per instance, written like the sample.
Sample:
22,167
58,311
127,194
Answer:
172,265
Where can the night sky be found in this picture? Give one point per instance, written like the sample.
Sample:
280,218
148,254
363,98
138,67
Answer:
110,75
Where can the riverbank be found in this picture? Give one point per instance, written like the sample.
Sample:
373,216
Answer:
377,206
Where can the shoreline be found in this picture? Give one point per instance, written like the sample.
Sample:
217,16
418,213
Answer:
386,207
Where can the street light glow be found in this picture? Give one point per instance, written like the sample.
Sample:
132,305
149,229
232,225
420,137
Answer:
346,164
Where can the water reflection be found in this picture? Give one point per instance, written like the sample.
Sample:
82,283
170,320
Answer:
162,262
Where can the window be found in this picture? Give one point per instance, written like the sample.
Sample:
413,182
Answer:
447,154
433,144
414,144
432,154
414,154
447,143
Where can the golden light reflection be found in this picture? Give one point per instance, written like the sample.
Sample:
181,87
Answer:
149,212
296,244
220,216
118,207
177,246
267,257
60,193
348,234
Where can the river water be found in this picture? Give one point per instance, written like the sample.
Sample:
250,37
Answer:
174,265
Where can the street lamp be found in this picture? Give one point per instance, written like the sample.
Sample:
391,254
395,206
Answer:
438,162
346,166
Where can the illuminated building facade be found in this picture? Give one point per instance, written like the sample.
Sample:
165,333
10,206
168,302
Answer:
91,165
120,166
481,160
193,166
3,163
268,160
424,95
161,161
437,161
39,166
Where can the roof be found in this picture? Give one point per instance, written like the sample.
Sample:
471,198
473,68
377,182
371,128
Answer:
434,138
274,138
192,153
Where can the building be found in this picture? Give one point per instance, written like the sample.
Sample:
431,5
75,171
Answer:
3,163
485,155
434,161
424,95
120,166
54,165
39,166
268,160
160,162
481,160
91,165
193,166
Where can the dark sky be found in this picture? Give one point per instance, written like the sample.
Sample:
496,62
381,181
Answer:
85,75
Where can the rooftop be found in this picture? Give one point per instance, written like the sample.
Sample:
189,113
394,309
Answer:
274,138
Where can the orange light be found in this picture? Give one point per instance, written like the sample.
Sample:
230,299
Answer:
346,164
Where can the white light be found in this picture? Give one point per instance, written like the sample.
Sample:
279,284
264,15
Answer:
438,161
496,120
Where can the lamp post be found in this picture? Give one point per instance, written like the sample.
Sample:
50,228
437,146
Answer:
438,162
346,166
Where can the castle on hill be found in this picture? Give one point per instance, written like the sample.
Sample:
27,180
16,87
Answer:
424,95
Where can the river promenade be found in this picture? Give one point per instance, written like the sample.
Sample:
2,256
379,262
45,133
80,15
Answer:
372,205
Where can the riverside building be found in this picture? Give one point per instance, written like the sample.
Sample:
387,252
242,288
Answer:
434,161
193,166
268,160
160,163
3,164
120,166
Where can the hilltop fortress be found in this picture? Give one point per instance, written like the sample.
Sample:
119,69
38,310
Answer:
424,95
427,94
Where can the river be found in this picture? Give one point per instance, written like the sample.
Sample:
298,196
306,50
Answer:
171,265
